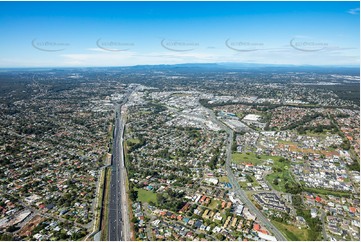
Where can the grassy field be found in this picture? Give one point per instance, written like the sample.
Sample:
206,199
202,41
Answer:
240,115
283,177
314,134
146,196
271,177
286,142
281,165
244,184
239,158
214,204
282,173
145,112
291,232
223,179
133,141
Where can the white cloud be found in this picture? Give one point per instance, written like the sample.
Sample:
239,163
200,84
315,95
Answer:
96,49
354,11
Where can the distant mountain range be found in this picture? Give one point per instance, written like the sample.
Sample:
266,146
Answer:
229,66
226,66
235,65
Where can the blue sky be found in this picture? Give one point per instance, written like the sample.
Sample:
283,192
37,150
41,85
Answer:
130,33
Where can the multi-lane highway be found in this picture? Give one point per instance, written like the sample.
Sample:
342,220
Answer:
118,210
115,209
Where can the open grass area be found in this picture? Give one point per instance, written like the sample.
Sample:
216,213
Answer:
281,173
133,141
282,165
107,159
214,204
285,142
240,115
145,112
239,158
318,134
283,178
291,232
244,184
223,179
146,196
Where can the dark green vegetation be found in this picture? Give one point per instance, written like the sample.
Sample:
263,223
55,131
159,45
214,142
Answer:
314,224
215,159
302,129
133,194
135,144
6,237
170,200
326,192
346,91
354,166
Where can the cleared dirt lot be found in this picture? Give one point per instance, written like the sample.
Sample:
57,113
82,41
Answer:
27,228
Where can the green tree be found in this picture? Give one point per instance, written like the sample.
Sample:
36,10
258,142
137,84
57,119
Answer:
6,237
133,194
220,237
201,236
249,178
